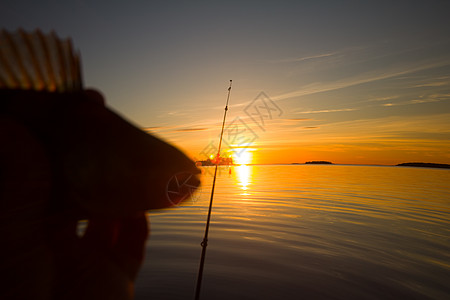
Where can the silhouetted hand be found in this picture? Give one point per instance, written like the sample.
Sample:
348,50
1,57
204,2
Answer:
42,256
104,263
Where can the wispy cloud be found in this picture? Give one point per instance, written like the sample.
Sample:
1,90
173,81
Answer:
326,111
299,119
176,113
186,127
377,99
320,87
331,54
190,129
300,59
430,99
433,84
151,128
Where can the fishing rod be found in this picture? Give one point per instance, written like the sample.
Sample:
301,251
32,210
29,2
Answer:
204,243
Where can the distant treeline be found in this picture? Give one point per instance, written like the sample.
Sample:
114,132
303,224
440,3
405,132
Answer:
424,165
319,162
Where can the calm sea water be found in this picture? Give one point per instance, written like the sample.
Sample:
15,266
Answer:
306,232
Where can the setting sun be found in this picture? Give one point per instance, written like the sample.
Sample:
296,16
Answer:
243,157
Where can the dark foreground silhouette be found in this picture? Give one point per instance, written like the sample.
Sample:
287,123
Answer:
65,157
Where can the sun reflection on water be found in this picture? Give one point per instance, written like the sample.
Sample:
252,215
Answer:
244,176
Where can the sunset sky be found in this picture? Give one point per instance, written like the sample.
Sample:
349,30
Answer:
354,82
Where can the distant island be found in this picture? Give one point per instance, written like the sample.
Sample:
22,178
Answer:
424,165
318,162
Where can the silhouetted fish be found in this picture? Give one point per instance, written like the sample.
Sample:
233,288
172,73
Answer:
101,164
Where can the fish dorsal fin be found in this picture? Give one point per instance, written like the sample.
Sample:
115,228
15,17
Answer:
40,62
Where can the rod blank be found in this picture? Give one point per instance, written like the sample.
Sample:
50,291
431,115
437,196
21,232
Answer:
204,243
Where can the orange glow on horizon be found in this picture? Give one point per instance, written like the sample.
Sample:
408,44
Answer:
381,141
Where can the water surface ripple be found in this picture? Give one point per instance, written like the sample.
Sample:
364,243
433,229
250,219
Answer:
306,232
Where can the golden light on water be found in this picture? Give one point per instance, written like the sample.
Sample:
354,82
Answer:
243,176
